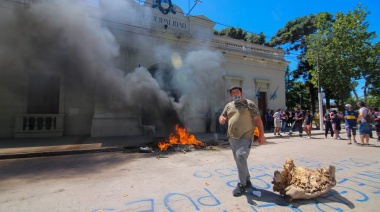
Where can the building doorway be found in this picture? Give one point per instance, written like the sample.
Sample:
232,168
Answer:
262,105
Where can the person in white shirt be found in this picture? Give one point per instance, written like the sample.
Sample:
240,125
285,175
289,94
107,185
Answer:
277,122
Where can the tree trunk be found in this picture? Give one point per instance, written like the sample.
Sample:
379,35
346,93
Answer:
327,101
356,95
365,92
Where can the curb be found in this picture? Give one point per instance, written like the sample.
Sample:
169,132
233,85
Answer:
99,150
60,153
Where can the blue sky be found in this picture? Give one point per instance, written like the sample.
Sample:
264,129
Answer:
271,15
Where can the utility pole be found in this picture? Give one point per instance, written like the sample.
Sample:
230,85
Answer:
300,101
320,97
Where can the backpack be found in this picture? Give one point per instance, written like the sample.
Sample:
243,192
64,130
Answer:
368,117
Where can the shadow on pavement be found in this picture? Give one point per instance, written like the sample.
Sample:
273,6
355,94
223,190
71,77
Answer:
272,198
269,197
59,167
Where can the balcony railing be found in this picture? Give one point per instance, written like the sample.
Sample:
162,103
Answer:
38,125
249,48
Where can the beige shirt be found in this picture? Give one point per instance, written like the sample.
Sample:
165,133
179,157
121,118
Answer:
240,119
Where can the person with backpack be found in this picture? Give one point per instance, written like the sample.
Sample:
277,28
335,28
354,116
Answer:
376,115
363,126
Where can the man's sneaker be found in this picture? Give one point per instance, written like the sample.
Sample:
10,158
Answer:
355,142
290,133
239,190
300,135
349,143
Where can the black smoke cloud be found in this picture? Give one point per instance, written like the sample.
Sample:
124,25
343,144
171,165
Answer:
66,37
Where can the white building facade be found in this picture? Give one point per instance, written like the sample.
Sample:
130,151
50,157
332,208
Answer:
36,103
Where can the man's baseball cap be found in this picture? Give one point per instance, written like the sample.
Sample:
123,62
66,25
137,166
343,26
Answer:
348,105
235,87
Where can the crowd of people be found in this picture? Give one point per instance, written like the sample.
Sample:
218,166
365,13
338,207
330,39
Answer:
362,120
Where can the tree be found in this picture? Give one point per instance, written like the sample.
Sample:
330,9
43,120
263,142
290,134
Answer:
256,38
294,33
240,34
345,52
231,32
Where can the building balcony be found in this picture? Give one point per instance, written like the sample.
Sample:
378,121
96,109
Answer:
247,48
38,125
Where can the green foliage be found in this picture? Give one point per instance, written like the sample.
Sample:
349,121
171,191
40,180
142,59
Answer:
373,101
240,34
295,31
257,39
345,53
232,32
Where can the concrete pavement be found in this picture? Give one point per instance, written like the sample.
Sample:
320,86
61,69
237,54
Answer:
198,180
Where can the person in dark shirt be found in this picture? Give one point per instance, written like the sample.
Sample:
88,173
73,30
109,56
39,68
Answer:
268,117
208,120
334,123
350,117
376,116
297,124
328,125
290,117
284,120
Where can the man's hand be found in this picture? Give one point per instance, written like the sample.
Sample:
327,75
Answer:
261,139
222,119
260,126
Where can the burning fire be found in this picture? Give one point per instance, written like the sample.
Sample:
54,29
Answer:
181,138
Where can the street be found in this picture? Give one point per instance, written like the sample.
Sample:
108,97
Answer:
200,180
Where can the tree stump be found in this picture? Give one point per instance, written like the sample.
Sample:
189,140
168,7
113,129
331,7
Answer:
302,183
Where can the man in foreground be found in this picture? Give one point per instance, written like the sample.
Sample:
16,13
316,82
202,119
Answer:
243,115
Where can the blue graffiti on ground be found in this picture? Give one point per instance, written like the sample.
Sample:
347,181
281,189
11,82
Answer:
348,190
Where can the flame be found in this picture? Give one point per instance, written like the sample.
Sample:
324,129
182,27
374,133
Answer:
181,137
256,132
